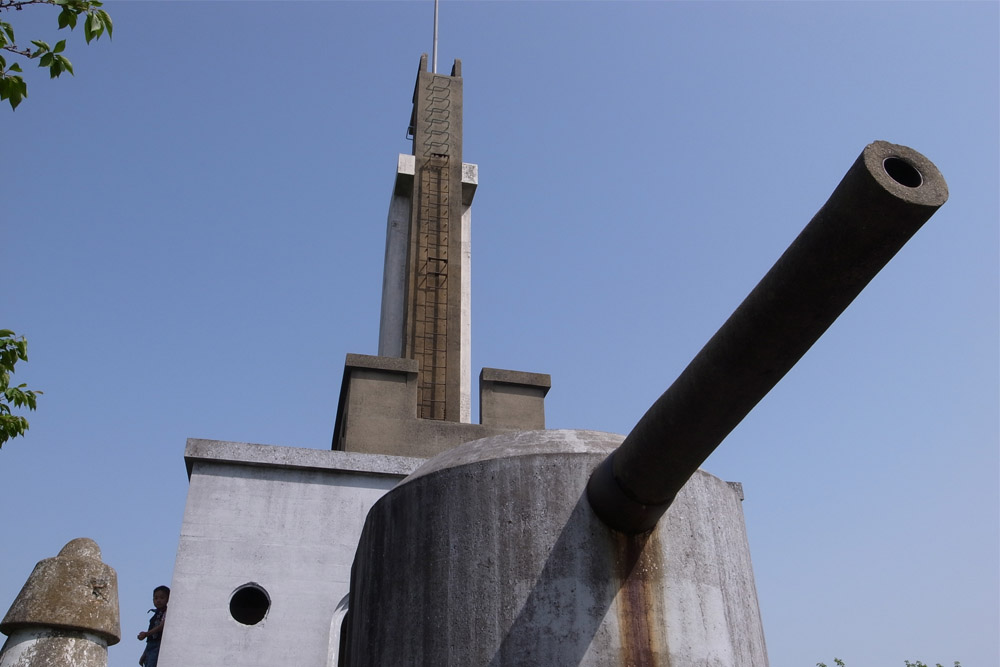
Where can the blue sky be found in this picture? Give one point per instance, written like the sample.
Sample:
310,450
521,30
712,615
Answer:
193,231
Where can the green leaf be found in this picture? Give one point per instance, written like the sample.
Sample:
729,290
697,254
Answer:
46,60
8,29
42,46
15,68
60,46
106,19
11,427
93,28
66,64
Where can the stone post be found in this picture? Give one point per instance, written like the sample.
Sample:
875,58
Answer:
66,615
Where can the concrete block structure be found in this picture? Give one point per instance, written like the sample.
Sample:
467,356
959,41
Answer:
377,412
265,551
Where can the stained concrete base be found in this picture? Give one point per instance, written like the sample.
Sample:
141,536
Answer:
489,555
43,647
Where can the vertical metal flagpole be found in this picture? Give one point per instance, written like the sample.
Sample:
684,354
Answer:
434,58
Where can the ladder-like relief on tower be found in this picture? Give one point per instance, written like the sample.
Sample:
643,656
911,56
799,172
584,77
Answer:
430,321
437,139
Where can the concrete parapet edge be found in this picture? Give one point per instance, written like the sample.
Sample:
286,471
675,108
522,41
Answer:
517,377
242,453
397,364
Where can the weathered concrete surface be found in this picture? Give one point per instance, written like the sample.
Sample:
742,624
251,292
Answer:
391,322
283,518
489,555
295,458
377,410
75,590
432,328
66,613
513,399
470,181
37,647
397,236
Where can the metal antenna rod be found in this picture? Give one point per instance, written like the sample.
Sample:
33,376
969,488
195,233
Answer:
434,58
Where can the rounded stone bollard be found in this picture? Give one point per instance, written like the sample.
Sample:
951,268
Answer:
66,615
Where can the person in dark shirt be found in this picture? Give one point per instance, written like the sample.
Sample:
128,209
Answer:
161,594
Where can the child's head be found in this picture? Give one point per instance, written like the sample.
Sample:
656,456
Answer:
161,594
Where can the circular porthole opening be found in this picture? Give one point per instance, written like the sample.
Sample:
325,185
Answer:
249,604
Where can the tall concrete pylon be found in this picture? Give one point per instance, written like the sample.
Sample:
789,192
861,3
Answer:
425,290
415,397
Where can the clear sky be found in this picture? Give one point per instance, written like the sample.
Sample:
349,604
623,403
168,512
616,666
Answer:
193,230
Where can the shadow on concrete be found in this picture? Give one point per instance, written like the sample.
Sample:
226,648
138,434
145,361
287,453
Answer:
567,606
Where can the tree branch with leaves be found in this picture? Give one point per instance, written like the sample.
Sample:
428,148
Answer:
13,348
96,22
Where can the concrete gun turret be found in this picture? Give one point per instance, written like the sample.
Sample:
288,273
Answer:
887,195
500,552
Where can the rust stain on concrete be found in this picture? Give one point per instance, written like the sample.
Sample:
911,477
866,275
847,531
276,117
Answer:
640,614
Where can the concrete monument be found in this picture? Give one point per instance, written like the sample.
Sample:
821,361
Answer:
422,538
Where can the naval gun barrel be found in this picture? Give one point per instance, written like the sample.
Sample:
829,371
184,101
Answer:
884,198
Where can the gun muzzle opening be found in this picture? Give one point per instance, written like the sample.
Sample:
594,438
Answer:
902,172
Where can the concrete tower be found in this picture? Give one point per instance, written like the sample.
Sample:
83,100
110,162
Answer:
425,289
414,398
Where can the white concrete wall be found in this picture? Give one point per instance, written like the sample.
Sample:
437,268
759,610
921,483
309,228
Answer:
397,241
286,519
465,383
